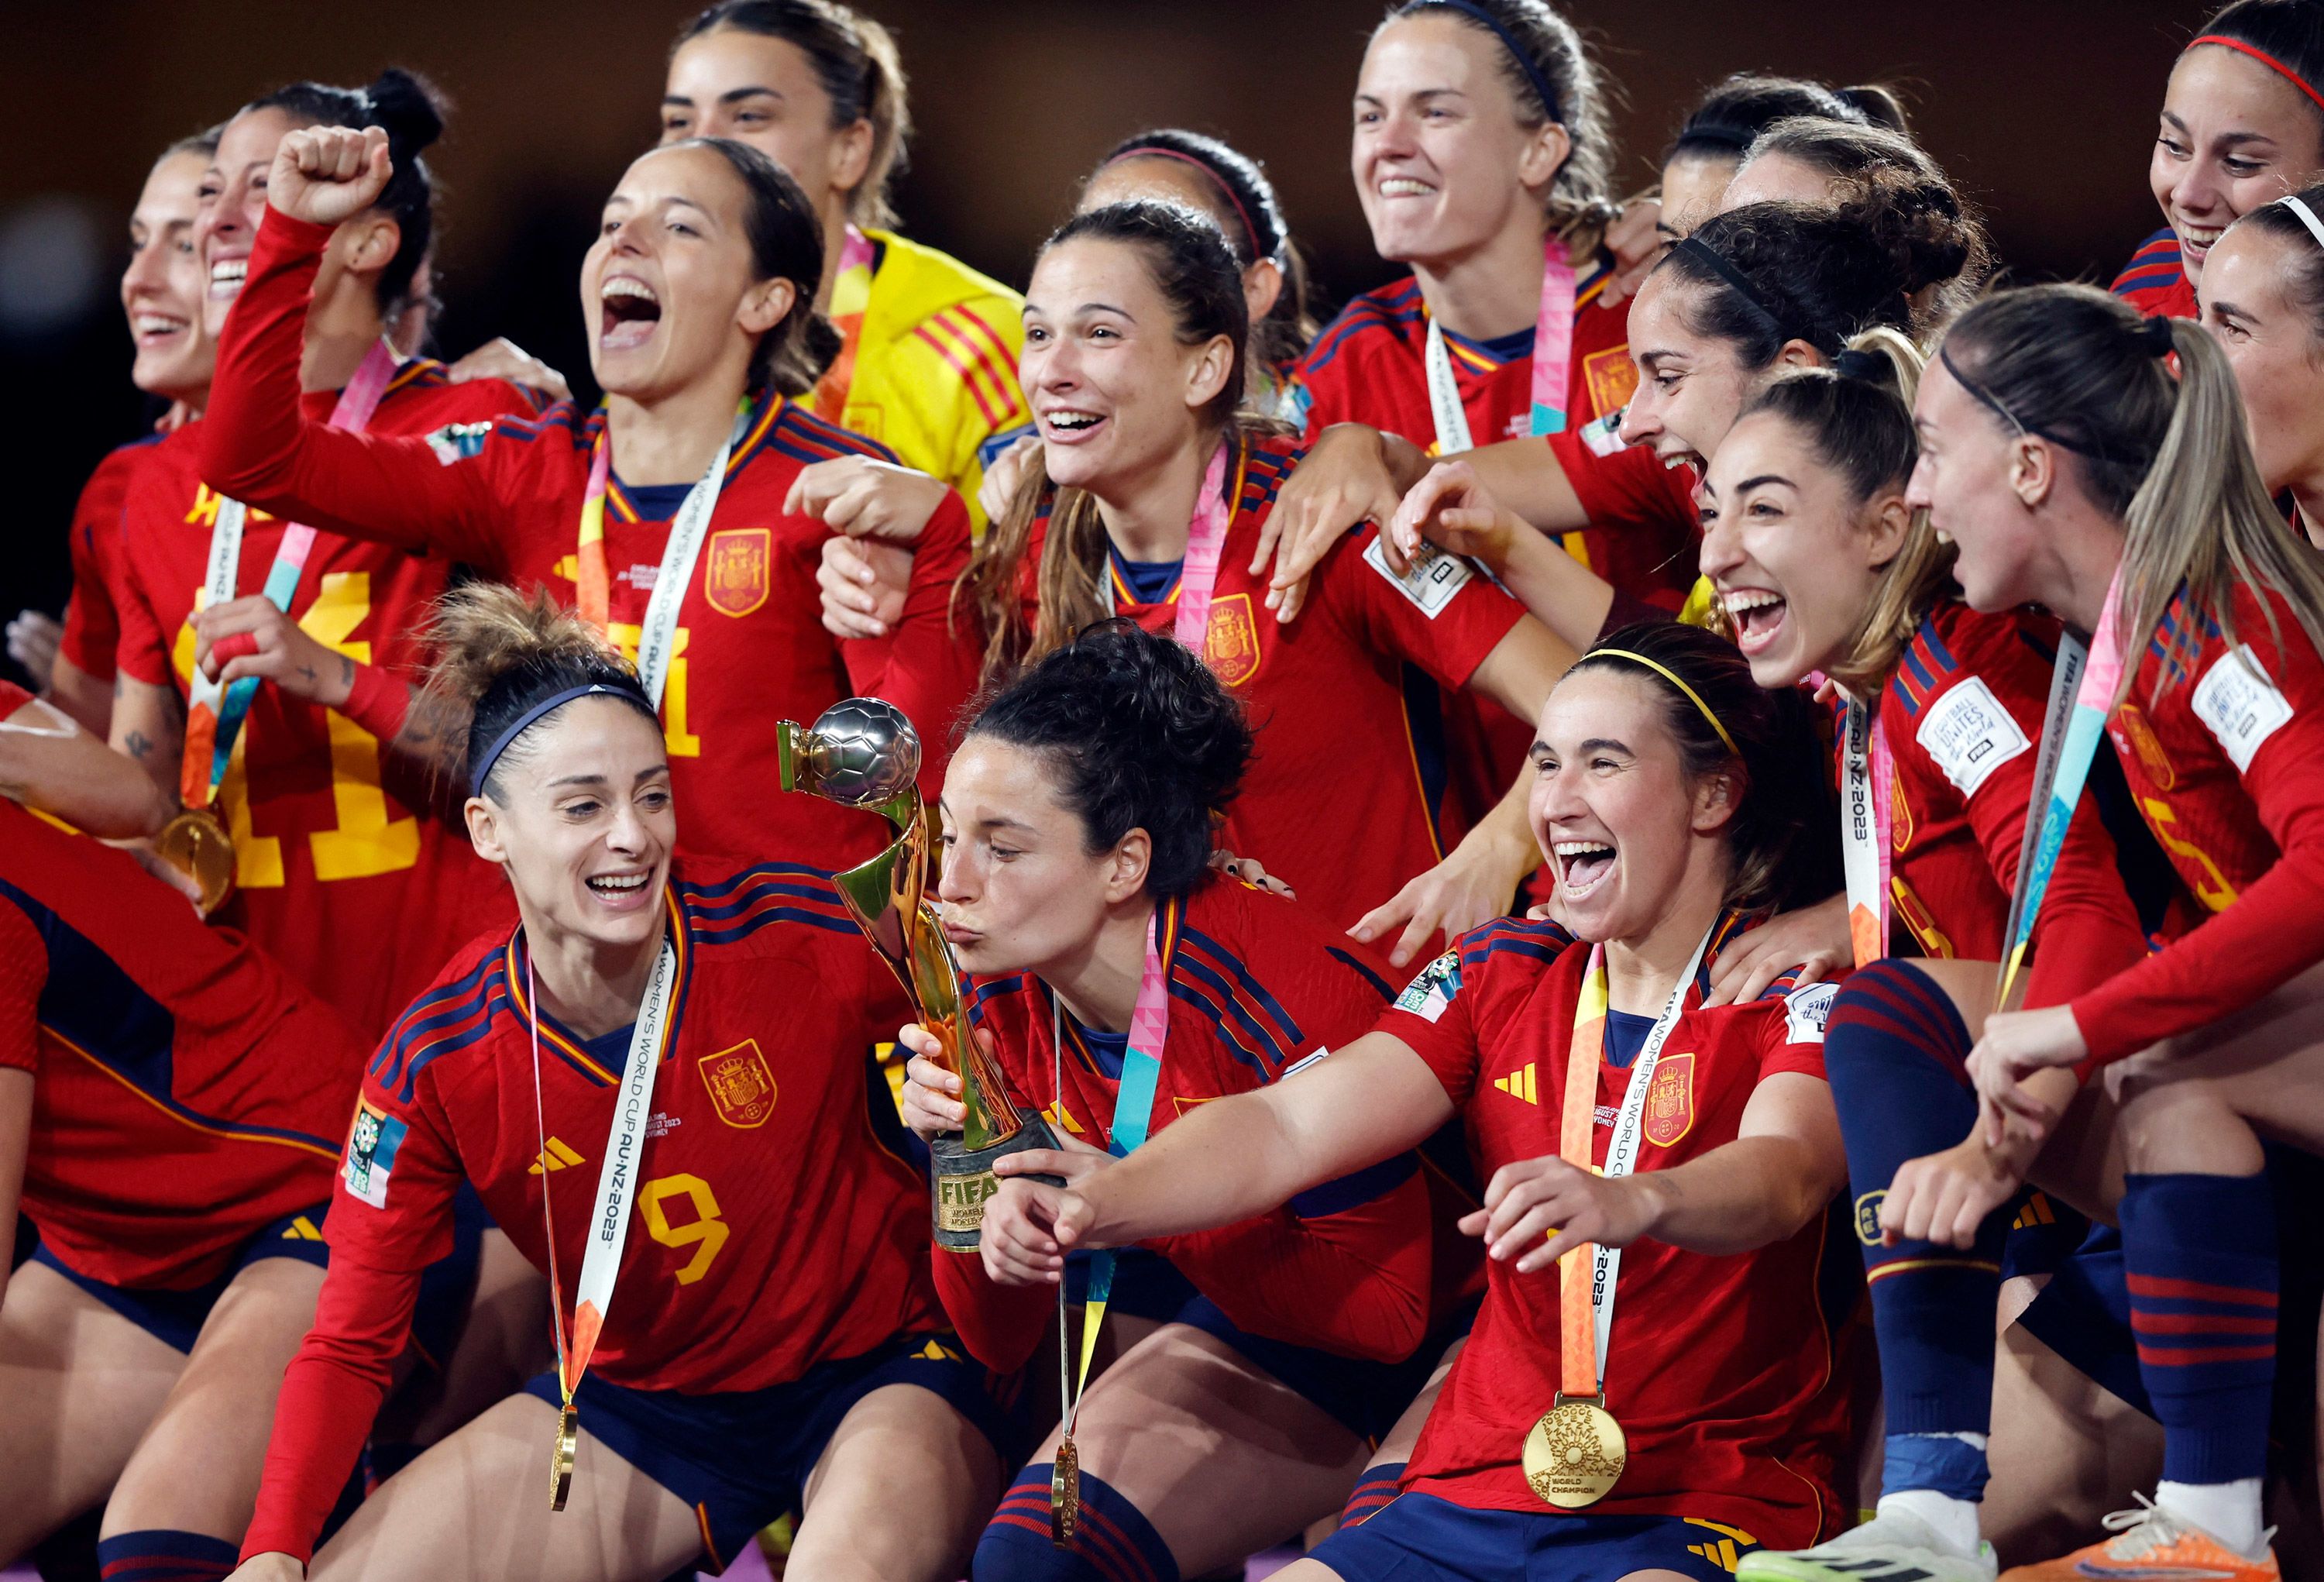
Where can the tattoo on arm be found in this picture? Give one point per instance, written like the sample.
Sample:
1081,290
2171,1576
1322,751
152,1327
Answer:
434,729
139,743
347,671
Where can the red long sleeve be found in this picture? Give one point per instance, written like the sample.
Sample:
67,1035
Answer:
1000,1324
2243,811
259,448
330,1393
928,664
1355,1281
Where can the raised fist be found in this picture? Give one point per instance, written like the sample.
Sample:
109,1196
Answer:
327,174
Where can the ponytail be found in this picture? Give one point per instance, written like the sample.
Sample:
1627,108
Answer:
1856,415
2170,458
508,662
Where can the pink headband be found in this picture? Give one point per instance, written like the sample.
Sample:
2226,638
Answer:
1147,151
2267,60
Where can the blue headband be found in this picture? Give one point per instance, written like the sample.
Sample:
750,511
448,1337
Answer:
525,722
1533,72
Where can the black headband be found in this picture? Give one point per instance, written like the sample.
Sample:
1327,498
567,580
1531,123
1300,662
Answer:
1702,253
1526,63
1724,135
2153,337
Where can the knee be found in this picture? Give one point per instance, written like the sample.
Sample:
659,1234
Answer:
2158,1107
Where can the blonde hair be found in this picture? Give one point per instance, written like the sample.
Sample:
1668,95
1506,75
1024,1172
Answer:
2171,458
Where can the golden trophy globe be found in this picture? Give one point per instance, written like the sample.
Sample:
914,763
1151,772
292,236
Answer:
863,752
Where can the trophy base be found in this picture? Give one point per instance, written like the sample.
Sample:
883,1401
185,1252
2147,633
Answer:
963,1179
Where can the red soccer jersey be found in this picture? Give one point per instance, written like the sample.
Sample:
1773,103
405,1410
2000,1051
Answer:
1345,799
2156,282
186,1093
346,869
1255,987
508,501
1369,366
1719,1369
2227,767
773,1231
1962,714
92,626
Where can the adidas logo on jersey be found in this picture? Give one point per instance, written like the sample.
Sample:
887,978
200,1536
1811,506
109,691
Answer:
301,1229
1520,1084
2037,1211
556,1156
1721,1552
1061,1118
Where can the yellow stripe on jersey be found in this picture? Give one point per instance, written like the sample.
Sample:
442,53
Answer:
935,374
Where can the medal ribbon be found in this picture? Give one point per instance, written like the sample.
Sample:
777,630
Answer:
1866,815
1585,1320
851,297
609,1223
214,712
593,582
2061,767
1133,1114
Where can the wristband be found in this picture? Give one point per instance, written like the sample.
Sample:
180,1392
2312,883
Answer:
378,701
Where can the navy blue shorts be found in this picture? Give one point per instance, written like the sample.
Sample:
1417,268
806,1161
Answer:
1420,1537
175,1318
1363,1397
740,1457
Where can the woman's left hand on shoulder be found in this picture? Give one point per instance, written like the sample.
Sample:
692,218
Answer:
1552,1207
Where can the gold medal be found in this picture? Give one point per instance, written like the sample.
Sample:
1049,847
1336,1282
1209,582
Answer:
1574,1455
196,845
1064,1494
560,1461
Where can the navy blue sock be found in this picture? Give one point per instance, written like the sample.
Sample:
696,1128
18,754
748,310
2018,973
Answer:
162,1554
2201,1256
1374,1489
1112,1541
1896,1050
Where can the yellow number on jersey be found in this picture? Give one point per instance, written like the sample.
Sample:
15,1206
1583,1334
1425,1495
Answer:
705,1229
681,742
2219,894
366,842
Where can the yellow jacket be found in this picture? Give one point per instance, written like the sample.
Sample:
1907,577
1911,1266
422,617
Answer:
930,371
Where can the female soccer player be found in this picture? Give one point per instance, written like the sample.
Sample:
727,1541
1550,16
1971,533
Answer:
2264,303
2072,470
665,513
1151,494
169,1104
1824,161
1077,893
1679,800
1822,568
1729,119
2243,124
927,364
162,294
770,1327
342,869
864,583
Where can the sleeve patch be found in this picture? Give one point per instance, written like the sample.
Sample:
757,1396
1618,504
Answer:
1970,734
372,1146
1603,436
458,441
1805,1011
1427,996
2240,706
1432,582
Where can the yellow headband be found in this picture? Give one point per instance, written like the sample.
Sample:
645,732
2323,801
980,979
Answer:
1667,674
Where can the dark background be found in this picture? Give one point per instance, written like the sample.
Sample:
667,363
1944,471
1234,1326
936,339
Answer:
2043,111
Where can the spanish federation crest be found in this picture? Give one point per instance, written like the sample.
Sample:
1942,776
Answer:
740,1085
1231,644
1670,1100
737,565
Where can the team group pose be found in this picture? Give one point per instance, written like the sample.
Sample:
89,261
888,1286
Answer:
1648,908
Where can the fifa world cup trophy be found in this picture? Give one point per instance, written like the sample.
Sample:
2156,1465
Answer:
863,752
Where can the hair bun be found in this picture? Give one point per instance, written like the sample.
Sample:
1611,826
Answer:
1878,104
408,108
